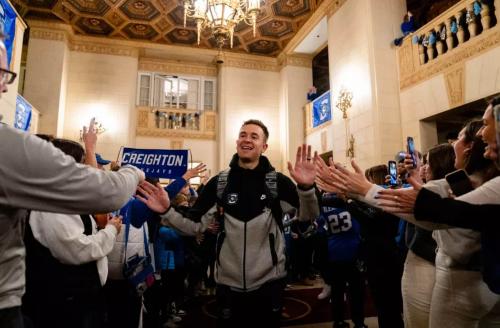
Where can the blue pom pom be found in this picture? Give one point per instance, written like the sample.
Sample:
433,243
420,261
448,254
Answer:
432,38
477,8
414,40
454,27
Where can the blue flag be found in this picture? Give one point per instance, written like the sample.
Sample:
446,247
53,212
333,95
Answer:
322,111
22,119
8,21
159,163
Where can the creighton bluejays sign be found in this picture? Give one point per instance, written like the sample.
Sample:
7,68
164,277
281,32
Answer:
158,163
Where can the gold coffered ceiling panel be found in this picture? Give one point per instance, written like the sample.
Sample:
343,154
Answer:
162,21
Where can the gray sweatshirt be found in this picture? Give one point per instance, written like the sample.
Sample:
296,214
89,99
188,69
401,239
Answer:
35,175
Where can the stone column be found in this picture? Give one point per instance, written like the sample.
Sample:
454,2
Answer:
367,67
46,76
295,80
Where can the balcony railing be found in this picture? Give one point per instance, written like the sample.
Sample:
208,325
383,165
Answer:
457,34
176,123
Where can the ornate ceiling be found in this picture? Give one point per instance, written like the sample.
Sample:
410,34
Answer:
161,21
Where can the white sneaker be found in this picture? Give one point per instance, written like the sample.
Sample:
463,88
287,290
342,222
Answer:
325,293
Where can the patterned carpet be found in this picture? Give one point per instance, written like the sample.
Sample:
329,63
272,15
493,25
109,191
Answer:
301,308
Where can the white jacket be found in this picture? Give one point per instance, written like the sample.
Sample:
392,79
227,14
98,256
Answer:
135,245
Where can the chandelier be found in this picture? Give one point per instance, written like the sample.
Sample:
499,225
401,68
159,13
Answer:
221,16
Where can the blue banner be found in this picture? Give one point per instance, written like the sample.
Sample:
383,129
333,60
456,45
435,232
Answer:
8,24
322,111
22,119
159,163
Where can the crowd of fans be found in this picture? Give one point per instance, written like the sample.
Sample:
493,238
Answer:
428,251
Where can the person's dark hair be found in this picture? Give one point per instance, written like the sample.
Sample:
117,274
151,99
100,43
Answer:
260,124
71,148
476,162
494,101
441,160
46,137
452,135
376,174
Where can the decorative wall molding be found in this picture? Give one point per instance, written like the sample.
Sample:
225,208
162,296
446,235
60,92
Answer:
103,49
164,133
48,35
170,66
176,144
295,60
142,119
455,85
251,62
416,73
82,43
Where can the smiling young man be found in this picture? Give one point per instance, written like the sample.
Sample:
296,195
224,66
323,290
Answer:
248,201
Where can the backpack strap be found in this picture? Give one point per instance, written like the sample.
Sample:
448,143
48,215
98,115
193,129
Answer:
222,183
87,224
272,185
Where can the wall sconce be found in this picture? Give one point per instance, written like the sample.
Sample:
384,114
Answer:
344,102
99,128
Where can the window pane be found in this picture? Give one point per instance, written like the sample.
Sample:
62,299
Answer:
209,95
192,94
183,93
170,93
144,90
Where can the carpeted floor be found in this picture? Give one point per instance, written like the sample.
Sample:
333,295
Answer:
301,308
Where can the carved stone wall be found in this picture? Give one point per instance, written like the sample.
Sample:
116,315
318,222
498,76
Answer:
455,85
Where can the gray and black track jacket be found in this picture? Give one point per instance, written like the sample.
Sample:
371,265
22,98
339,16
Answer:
250,245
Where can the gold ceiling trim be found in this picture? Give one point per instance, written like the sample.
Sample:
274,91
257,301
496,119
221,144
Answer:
480,44
176,67
82,43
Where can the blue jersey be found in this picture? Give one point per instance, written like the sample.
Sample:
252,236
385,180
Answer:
343,233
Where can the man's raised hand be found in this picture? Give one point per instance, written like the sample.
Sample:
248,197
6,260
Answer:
303,172
154,196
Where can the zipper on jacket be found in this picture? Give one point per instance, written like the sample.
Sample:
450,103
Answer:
219,242
272,245
244,255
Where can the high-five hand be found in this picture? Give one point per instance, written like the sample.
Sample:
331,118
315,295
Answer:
155,197
303,172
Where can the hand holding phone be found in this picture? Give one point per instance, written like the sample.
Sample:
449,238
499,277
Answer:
459,182
393,173
410,147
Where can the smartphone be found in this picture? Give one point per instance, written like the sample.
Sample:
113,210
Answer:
496,116
392,167
459,182
410,147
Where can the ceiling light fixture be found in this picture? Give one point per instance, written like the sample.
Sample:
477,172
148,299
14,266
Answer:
221,17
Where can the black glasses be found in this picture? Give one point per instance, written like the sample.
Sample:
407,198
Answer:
7,76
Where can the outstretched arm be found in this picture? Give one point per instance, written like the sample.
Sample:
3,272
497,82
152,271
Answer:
36,175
